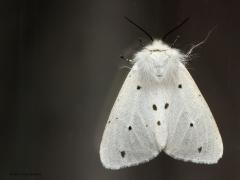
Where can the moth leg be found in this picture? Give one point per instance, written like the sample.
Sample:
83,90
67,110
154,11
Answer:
172,45
126,59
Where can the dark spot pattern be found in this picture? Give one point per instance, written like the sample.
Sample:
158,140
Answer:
154,107
158,123
166,105
180,86
200,149
191,124
109,122
129,128
139,87
123,153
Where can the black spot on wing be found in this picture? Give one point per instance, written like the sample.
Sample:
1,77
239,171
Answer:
191,124
200,149
129,128
158,123
139,87
154,107
123,153
166,105
180,86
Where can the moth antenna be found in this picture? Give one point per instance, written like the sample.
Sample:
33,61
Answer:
175,28
202,42
139,27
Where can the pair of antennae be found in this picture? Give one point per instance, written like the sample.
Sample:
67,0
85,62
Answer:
165,36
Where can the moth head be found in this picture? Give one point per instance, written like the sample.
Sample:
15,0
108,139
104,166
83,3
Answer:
156,60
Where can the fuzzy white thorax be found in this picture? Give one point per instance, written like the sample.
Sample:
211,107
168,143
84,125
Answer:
156,60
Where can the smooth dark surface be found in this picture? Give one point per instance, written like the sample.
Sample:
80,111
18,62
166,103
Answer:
60,73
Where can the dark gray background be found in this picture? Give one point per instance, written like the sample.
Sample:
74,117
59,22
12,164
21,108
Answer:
60,75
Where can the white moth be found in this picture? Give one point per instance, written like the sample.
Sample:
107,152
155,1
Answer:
159,108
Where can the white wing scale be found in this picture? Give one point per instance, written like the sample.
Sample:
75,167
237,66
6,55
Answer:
192,132
130,136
